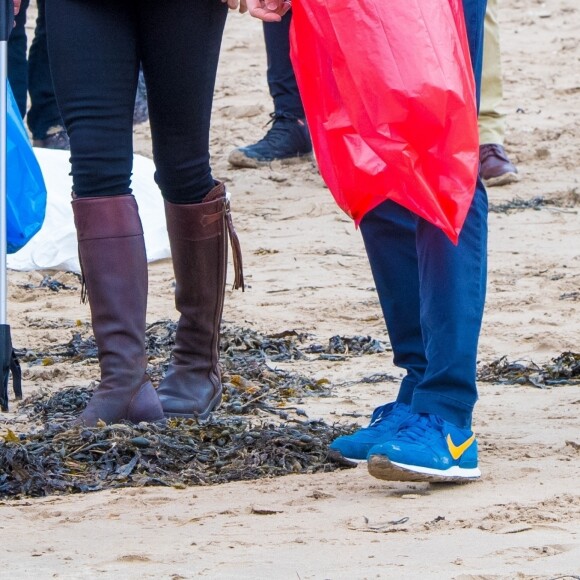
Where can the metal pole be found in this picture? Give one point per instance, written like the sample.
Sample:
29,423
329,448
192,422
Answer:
3,152
6,24
8,361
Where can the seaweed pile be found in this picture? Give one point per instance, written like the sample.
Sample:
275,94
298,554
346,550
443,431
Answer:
252,379
260,430
178,453
562,370
518,203
560,202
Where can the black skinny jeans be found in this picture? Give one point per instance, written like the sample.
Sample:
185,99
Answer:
95,48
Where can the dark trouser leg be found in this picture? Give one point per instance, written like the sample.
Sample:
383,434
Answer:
389,236
180,94
452,292
17,59
93,49
44,113
280,74
432,295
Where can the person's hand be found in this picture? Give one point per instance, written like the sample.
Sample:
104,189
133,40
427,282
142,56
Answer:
267,10
232,4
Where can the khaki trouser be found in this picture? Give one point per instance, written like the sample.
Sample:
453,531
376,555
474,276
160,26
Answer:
491,121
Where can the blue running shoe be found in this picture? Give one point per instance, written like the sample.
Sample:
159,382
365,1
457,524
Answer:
288,140
426,448
384,423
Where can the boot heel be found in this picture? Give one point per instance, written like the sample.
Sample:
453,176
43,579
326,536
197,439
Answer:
213,405
145,405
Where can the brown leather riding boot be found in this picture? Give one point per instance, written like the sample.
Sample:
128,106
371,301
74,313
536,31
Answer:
114,267
198,235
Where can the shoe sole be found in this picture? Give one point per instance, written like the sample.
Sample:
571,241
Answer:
504,179
238,159
213,405
343,460
382,467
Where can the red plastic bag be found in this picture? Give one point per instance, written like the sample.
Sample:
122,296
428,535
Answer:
389,96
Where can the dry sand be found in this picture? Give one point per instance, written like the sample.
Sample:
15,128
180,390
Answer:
306,270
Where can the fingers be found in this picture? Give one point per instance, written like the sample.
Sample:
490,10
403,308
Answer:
232,4
268,10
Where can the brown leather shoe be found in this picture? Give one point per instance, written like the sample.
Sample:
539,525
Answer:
496,167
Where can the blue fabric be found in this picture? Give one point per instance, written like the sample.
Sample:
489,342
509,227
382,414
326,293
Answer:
280,74
25,189
432,293
426,441
429,441
383,425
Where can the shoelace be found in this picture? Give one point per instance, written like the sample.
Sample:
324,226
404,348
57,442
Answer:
278,132
420,427
390,410
492,150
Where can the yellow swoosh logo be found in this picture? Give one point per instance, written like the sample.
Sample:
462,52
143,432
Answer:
458,450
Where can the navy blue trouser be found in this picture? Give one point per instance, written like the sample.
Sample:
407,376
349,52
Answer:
432,292
95,49
32,75
18,60
280,74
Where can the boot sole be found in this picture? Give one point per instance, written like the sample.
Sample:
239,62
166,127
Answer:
504,179
238,159
382,467
213,405
342,459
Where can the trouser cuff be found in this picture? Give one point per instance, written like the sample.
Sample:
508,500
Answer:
451,410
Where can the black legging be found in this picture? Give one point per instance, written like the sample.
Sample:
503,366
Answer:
95,49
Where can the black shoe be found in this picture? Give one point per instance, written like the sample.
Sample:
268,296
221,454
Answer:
56,138
287,140
141,110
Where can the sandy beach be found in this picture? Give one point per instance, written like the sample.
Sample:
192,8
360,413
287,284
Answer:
306,270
